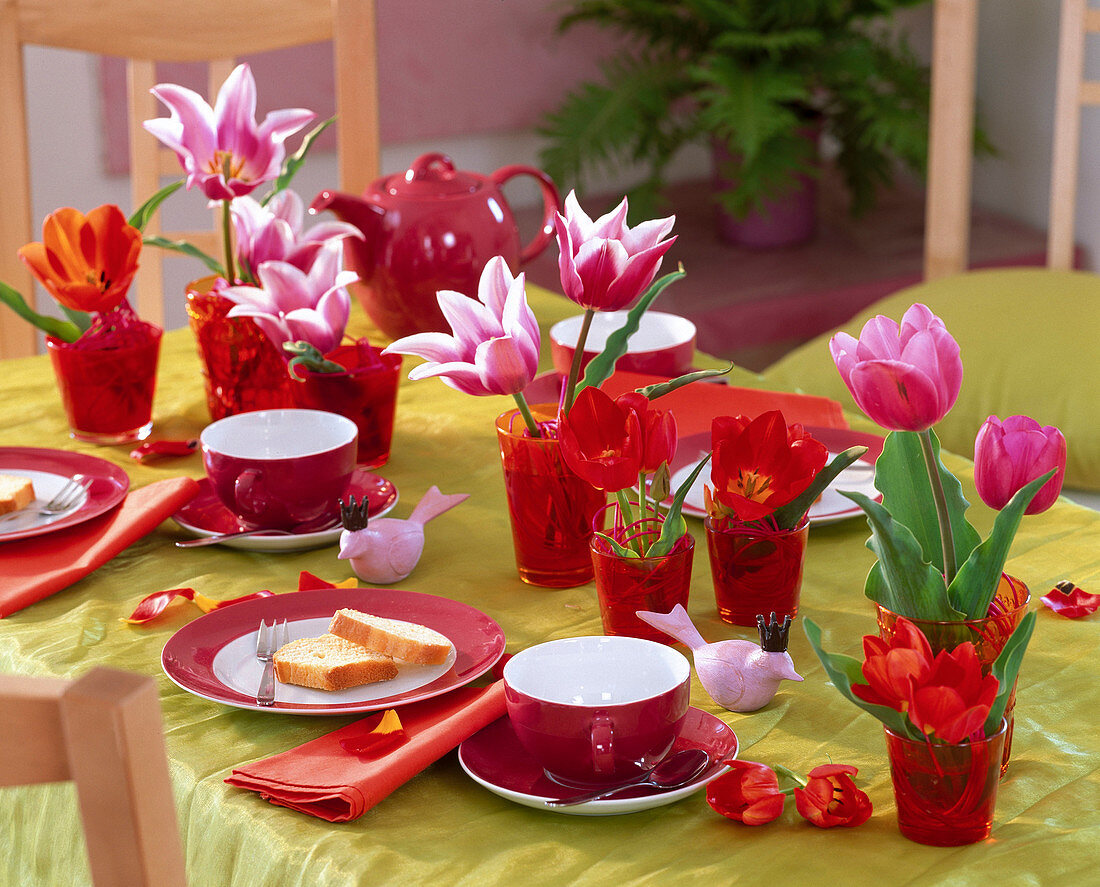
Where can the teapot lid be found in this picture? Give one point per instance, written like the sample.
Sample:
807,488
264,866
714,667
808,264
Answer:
433,175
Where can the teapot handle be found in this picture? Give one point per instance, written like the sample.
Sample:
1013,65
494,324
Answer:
550,204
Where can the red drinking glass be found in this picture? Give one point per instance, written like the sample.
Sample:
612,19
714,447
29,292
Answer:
366,393
755,570
551,509
243,370
989,635
945,794
625,585
108,392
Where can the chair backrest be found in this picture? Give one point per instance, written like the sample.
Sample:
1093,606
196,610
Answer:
103,732
950,150
144,33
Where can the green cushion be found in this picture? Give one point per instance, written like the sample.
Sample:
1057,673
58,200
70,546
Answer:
1030,342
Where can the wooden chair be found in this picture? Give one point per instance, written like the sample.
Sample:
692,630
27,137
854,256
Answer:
947,221
103,732
143,33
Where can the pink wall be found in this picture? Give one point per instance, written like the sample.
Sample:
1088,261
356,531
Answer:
445,68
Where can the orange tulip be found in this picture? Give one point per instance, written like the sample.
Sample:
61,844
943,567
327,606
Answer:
85,262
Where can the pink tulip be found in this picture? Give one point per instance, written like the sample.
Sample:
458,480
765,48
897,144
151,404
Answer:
904,379
605,265
291,305
495,346
273,232
221,149
1008,455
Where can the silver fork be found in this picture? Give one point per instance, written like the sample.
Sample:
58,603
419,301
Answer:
268,640
65,498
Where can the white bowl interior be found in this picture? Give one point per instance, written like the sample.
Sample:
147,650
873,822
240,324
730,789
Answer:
656,330
596,670
278,434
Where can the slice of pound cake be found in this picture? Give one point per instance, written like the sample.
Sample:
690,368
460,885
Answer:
15,493
407,641
331,663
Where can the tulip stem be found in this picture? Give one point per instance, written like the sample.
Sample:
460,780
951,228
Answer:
578,358
227,242
947,537
525,411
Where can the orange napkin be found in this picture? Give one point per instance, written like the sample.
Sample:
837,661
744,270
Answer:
695,405
32,569
322,779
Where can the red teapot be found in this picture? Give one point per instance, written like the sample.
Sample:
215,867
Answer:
431,228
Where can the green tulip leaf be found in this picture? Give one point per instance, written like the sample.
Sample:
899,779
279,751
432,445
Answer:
52,326
294,161
910,585
82,320
144,213
844,671
619,550
789,516
188,249
674,525
902,477
660,389
602,365
974,586
1006,668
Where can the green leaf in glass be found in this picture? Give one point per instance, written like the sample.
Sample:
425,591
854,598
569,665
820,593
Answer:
1006,668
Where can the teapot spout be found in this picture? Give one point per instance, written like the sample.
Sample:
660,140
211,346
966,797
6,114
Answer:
364,214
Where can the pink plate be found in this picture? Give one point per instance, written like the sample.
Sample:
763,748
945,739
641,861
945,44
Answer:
205,515
831,507
214,655
49,470
494,758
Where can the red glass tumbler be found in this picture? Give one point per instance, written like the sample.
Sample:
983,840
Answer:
108,392
625,585
756,570
366,393
989,635
551,509
243,370
945,794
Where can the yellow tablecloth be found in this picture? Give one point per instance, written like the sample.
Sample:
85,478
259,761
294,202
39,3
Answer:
442,828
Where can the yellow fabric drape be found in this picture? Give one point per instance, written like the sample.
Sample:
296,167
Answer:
442,828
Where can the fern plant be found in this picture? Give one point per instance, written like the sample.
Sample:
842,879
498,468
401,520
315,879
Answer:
752,75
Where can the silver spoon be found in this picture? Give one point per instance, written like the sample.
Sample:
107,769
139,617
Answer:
675,771
308,527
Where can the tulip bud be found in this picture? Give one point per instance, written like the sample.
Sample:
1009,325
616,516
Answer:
1010,454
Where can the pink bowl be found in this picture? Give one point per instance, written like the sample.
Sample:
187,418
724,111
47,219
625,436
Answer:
664,344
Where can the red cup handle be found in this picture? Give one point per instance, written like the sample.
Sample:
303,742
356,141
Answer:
603,735
550,204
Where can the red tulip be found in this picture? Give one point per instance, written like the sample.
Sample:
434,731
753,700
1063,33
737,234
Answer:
891,667
905,379
85,262
761,464
601,441
748,793
1066,599
953,700
831,798
1008,455
605,265
658,430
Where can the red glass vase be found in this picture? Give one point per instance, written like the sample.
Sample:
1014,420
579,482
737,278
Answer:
108,391
945,794
989,635
366,393
242,368
551,509
625,585
755,570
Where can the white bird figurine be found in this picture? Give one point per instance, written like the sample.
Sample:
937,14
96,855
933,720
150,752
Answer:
388,549
739,675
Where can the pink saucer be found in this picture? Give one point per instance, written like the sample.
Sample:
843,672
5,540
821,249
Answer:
205,515
494,758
